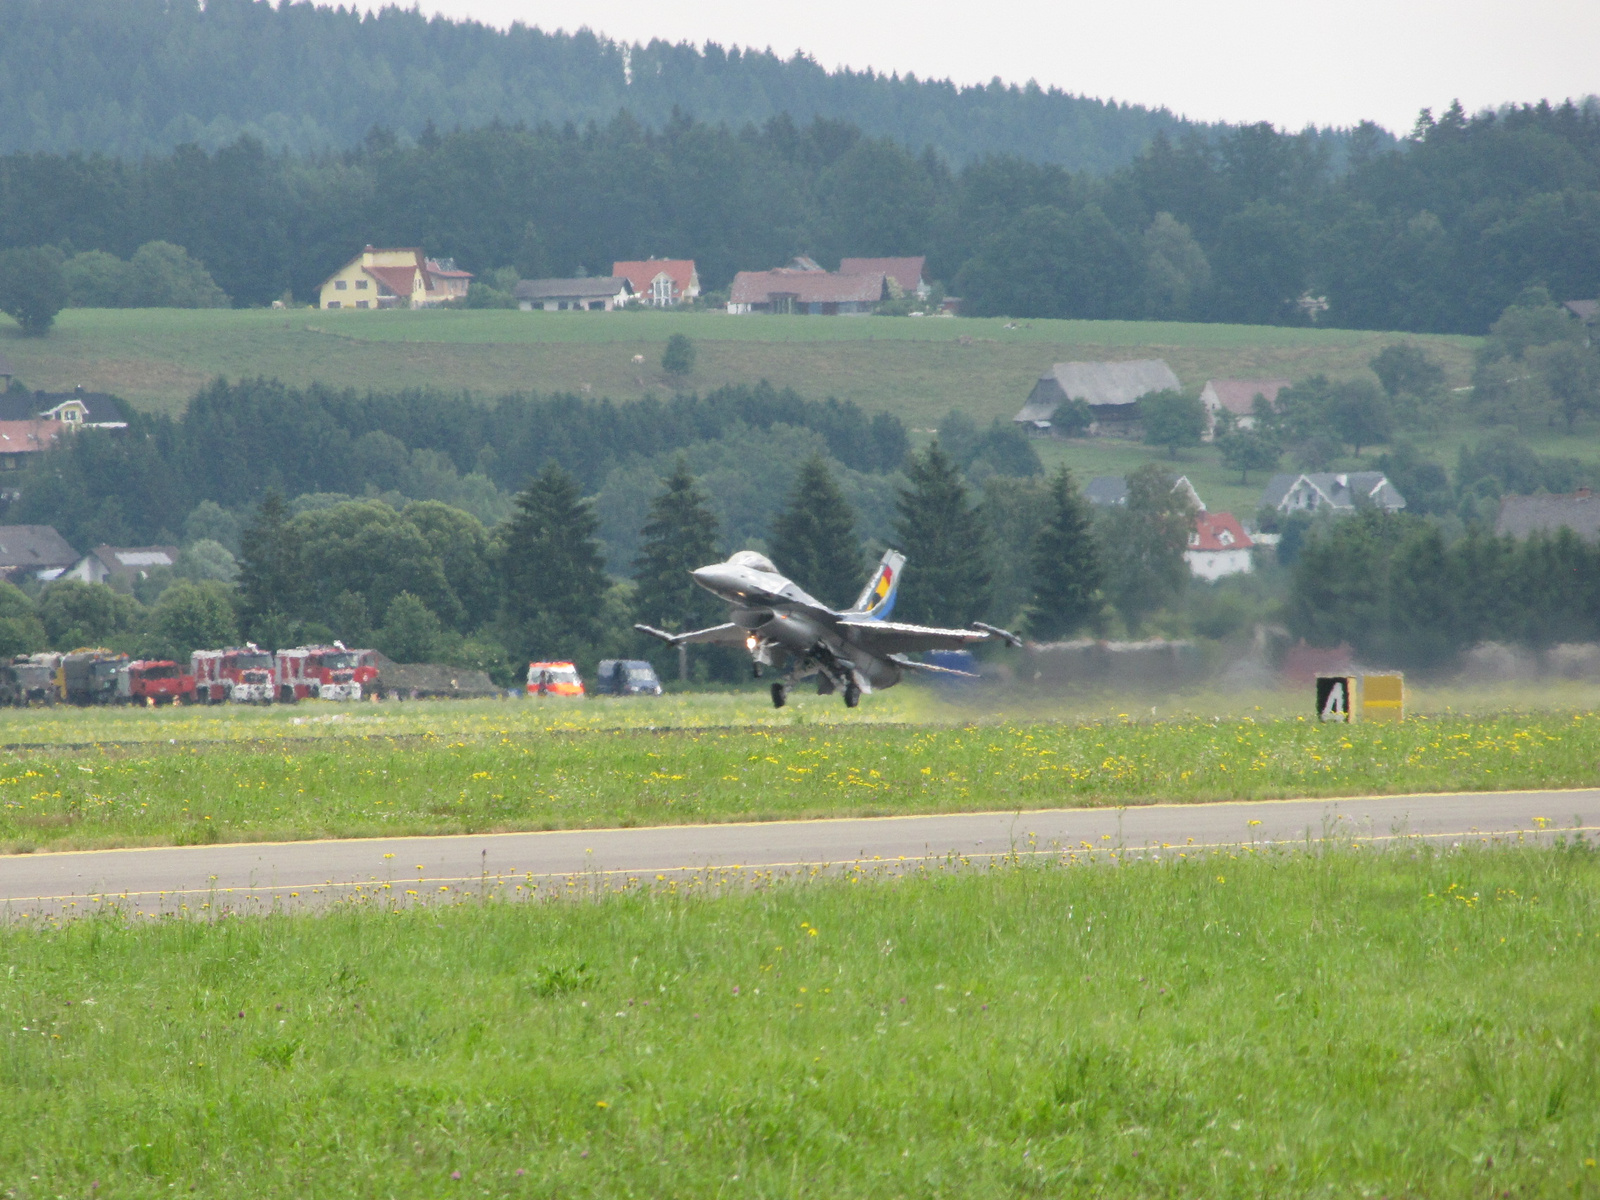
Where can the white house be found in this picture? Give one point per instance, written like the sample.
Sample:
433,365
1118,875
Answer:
1340,492
1218,546
598,293
1237,396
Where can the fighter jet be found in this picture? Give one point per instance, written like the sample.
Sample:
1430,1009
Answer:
852,651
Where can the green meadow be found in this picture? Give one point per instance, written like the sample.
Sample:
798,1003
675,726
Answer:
917,368
1344,1023
200,775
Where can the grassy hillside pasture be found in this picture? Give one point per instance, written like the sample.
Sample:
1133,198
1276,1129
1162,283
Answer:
919,369
1398,1024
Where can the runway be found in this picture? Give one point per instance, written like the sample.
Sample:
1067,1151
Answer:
294,875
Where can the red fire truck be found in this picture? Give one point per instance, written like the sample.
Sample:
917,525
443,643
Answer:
242,674
155,681
323,673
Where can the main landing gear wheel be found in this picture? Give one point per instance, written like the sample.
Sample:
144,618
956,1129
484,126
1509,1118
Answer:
780,695
852,695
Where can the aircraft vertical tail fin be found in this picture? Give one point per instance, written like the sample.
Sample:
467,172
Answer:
877,598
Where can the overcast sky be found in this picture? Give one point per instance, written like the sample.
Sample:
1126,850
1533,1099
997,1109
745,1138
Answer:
1291,62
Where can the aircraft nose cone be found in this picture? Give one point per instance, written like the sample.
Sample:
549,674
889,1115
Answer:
718,577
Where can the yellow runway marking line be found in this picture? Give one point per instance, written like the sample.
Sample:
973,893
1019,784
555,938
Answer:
987,812
513,877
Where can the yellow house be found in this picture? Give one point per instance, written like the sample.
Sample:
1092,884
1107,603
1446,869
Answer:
394,279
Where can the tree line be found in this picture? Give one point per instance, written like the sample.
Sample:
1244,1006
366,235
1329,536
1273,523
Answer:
1400,592
424,581
1438,233
237,441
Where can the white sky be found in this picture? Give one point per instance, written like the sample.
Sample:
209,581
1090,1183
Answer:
1328,62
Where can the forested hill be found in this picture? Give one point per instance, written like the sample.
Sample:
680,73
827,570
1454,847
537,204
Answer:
132,77
1251,226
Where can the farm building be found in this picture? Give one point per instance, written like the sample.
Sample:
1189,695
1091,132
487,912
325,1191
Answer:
805,288
402,278
1218,547
906,273
1521,516
36,550
128,563
1340,492
599,293
660,282
1237,396
1110,389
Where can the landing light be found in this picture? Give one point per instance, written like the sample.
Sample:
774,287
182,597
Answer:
751,643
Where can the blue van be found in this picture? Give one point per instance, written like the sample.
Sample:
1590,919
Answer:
625,677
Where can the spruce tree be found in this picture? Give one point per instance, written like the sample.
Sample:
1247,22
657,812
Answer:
814,537
1065,564
680,535
552,577
942,537
270,574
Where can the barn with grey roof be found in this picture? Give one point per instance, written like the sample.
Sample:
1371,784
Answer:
1111,390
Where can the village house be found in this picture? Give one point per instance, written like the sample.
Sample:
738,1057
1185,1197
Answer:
104,564
1585,310
1110,389
600,293
906,274
803,287
77,409
1522,516
36,550
1338,492
1218,547
660,282
20,440
1237,396
1111,491
402,278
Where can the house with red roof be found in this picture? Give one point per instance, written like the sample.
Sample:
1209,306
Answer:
660,282
1237,396
804,287
1218,547
403,278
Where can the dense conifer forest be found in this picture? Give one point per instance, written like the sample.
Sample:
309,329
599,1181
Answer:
135,77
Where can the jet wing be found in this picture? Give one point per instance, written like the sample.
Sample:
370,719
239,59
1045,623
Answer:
722,635
889,637
911,664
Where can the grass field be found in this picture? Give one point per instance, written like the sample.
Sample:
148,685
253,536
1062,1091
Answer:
207,775
1345,1024
919,369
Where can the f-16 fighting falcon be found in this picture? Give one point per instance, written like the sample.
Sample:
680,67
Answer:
852,651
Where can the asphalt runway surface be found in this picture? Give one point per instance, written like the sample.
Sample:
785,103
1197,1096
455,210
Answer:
267,876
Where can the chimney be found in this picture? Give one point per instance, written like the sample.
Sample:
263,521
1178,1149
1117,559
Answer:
366,256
